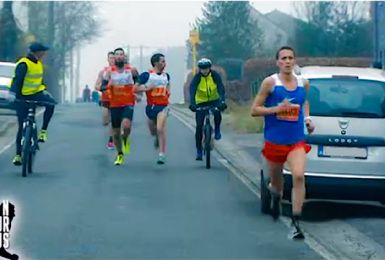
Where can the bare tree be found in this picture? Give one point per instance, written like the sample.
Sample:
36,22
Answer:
70,25
335,28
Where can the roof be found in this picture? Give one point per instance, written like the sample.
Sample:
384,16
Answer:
284,21
310,72
272,34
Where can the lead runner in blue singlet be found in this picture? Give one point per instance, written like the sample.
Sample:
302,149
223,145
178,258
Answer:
283,103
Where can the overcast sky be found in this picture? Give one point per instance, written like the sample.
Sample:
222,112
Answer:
149,23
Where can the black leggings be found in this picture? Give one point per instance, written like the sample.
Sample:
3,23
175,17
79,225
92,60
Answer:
22,113
199,120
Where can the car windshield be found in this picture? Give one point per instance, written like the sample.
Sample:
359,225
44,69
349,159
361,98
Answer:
347,98
6,71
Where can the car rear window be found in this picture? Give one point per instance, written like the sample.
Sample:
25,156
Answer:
340,97
6,71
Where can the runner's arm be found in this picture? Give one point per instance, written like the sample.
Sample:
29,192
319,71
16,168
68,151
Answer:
18,80
193,88
105,80
306,106
258,108
98,82
135,75
139,85
220,86
168,87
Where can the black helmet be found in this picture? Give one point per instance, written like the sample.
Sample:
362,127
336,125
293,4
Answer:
204,63
37,46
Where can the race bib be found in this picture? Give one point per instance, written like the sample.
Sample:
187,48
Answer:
291,115
120,90
160,91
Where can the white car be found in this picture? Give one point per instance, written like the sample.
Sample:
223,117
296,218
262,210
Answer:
6,75
347,159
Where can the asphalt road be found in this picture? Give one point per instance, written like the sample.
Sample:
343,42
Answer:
79,205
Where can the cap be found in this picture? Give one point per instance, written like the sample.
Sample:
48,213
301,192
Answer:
37,46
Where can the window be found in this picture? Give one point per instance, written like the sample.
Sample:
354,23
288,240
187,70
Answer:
347,98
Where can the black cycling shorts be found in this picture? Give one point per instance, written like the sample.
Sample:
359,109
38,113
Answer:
152,111
120,113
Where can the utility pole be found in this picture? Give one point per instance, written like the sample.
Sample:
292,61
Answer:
141,57
128,54
141,53
71,67
77,73
51,68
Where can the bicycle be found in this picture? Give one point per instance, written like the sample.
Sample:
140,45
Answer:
208,140
29,141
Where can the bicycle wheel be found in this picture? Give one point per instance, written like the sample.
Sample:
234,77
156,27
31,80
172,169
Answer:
26,149
207,147
33,149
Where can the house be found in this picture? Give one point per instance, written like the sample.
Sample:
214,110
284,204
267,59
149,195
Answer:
278,28
273,34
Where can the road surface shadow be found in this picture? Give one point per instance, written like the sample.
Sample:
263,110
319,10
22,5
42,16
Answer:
316,211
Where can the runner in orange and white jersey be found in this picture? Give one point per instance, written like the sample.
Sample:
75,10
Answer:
120,80
156,83
105,99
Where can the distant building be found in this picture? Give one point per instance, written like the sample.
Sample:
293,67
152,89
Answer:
378,14
278,28
273,35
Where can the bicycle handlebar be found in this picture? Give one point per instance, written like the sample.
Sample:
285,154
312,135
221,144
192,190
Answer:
206,108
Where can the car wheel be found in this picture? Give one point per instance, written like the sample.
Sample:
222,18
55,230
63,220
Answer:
265,195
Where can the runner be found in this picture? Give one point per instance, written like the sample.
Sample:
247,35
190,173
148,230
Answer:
120,80
105,100
282,101
156,83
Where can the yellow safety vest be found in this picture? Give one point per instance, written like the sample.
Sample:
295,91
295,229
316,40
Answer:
207,90
33,80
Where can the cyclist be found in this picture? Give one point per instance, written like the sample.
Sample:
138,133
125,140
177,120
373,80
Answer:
105,99
120,79
156,83
206,89
28,84
282,101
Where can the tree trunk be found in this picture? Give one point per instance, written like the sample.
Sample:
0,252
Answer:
52,70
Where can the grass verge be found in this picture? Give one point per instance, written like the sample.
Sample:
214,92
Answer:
238,118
